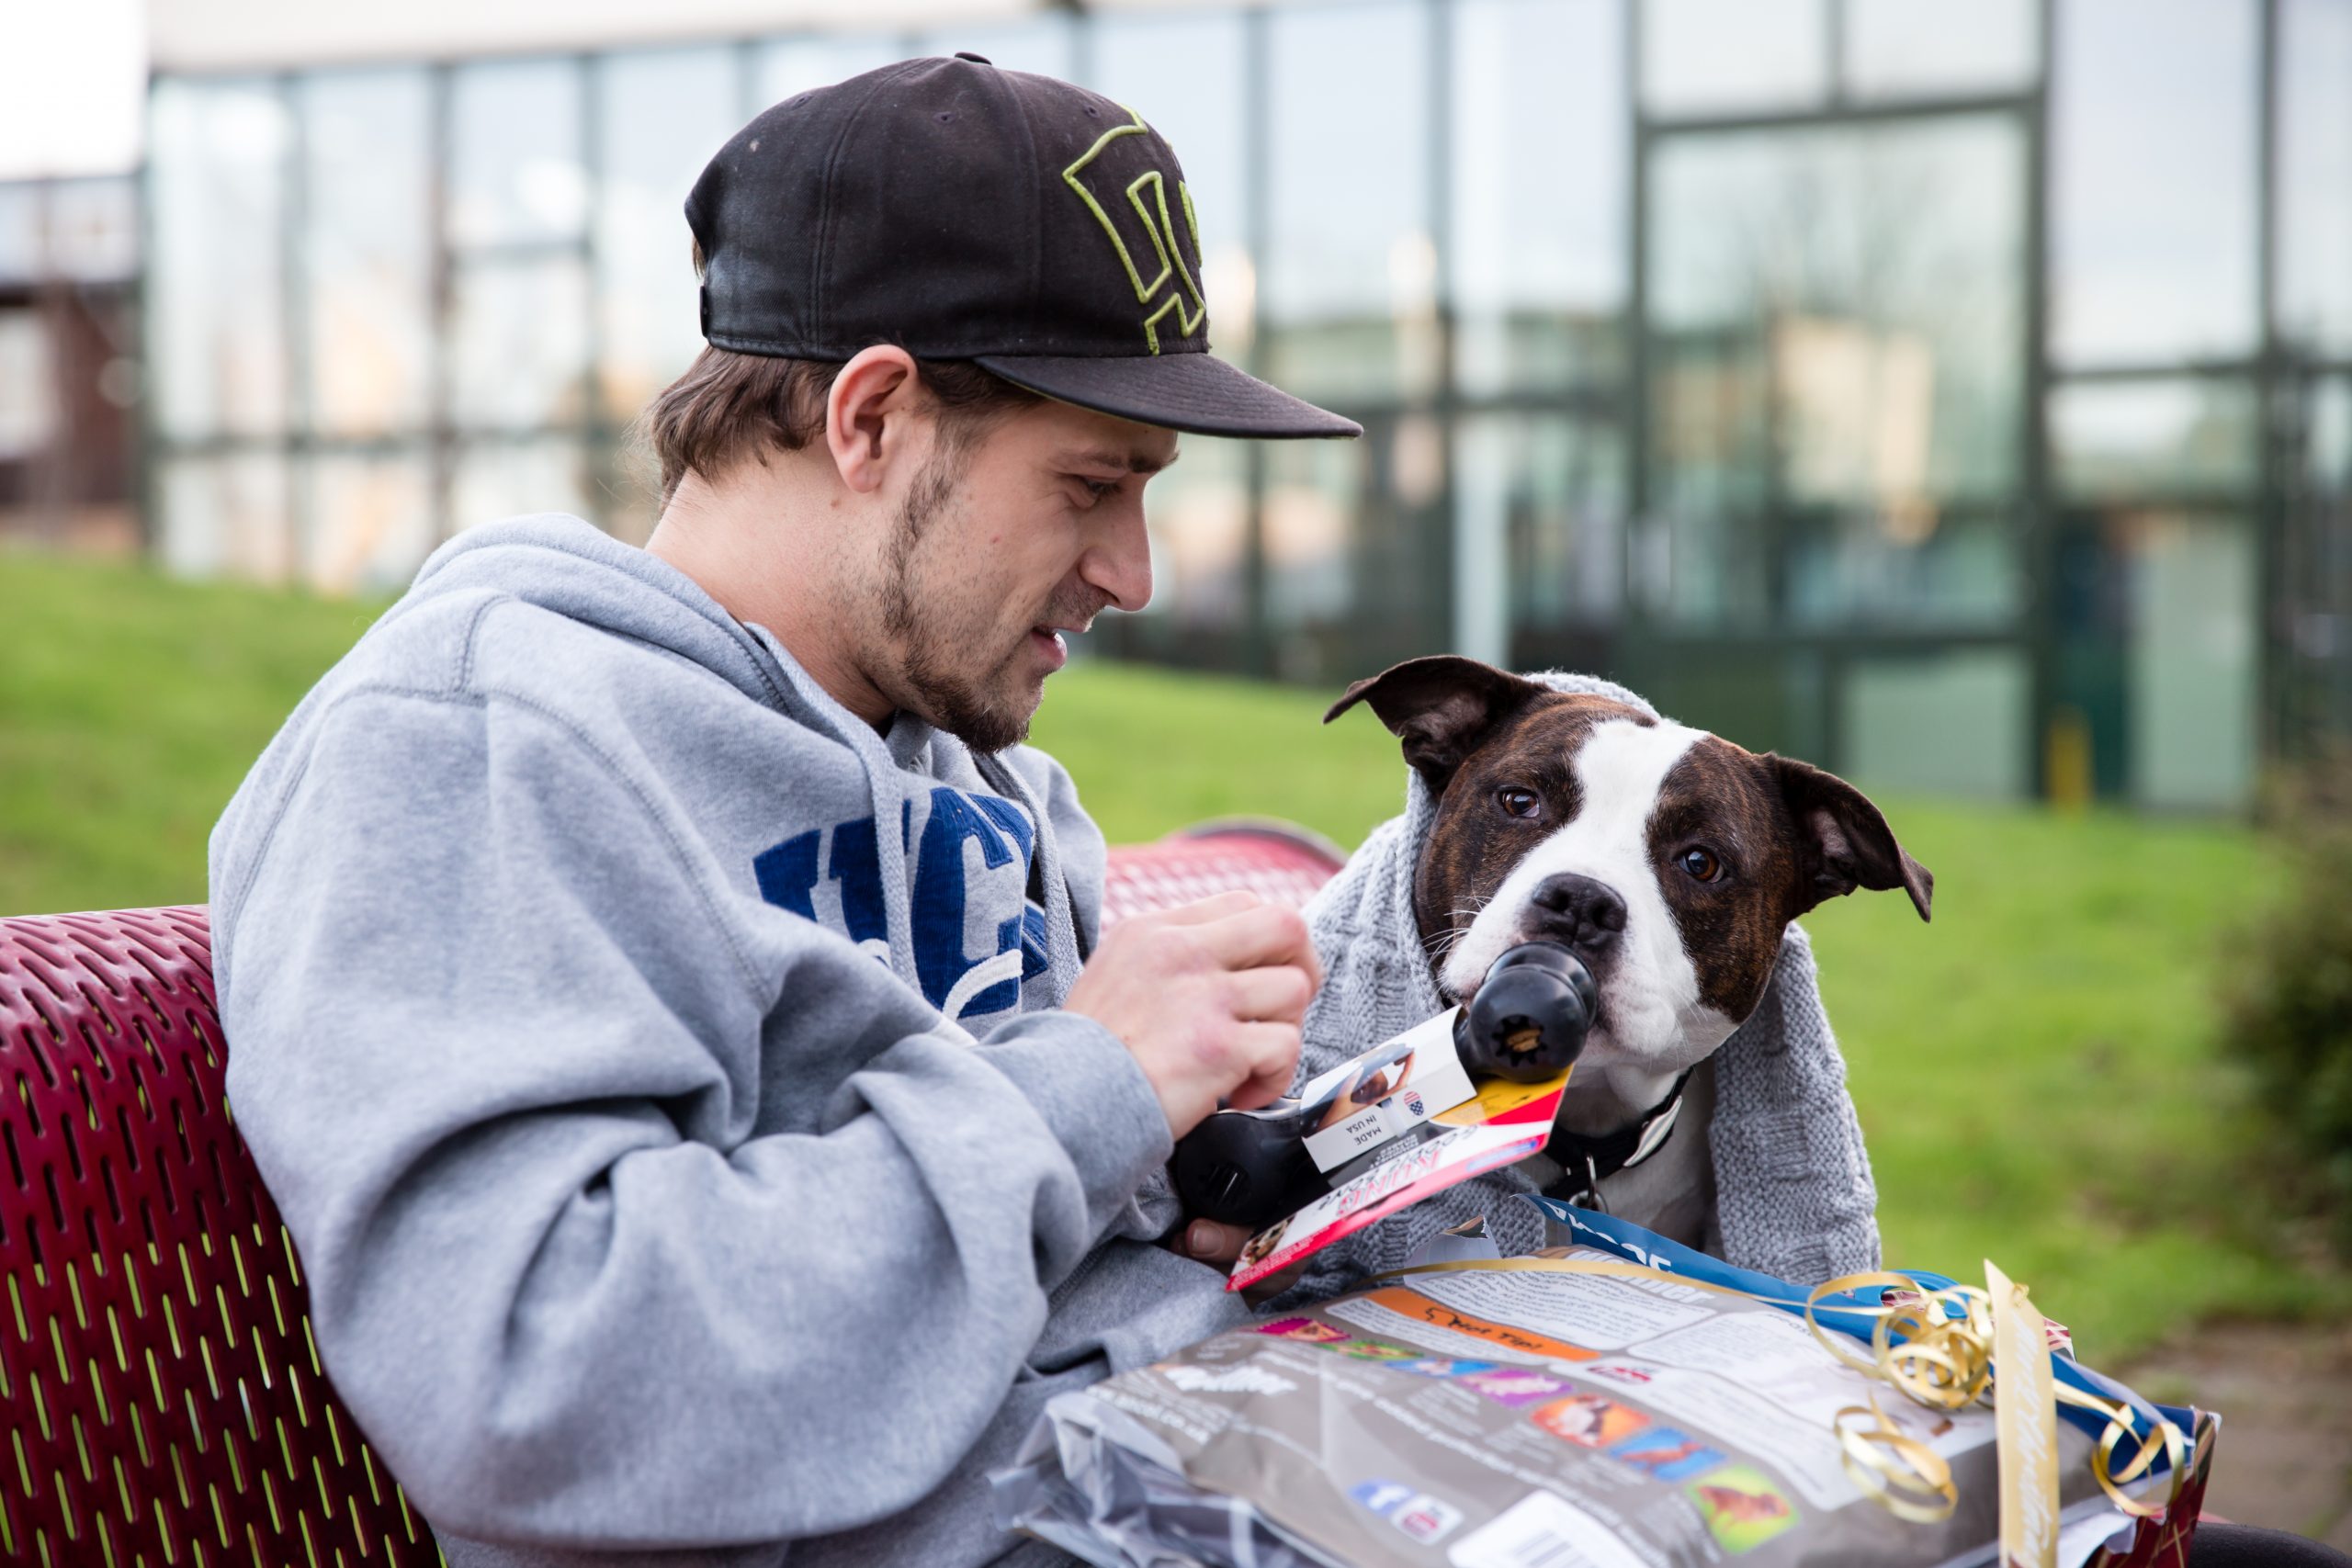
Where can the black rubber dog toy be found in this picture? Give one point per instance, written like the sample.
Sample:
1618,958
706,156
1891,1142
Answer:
1526,1023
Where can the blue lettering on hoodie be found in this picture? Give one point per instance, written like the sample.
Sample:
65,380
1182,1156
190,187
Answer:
971,913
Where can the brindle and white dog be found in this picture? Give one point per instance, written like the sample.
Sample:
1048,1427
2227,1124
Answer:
1669,859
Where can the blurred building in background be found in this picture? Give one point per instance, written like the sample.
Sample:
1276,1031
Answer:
69,368
1958,395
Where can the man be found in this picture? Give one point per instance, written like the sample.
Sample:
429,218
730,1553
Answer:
668,1007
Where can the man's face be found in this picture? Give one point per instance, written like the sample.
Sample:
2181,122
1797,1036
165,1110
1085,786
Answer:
1005,540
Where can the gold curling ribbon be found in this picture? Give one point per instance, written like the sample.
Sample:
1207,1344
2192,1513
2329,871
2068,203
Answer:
1944,1360
1898,1471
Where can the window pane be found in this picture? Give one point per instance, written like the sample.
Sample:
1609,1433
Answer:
94,229
371,522
1947,724
1700,56
1351,539
2315,670
1901,46
515,170
2144,438
1313,492
1702,556
1837,371
664,116
795,65
1538,536
1920,570
366,253
28,390
518,342
1039,43
1202,115
1876,275
2156,662
2315,175
24,233
2328,444
2153,180
2192,662
226,516
1198,513
214,285
1351,267
514,479
1537,241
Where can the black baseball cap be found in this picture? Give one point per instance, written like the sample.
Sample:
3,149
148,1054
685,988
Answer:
967,212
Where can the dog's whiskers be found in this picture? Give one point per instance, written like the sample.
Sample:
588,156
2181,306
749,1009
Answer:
1445,943
1442,946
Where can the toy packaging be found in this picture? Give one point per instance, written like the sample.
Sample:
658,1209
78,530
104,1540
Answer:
1619,1403
1458,1095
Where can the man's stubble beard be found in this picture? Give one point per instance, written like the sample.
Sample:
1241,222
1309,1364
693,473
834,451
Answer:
929,640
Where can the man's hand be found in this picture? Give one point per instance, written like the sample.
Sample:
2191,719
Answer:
1208,998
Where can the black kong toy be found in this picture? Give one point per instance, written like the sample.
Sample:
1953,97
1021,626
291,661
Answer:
1527,1023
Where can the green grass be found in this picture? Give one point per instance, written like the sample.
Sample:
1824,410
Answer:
1153,751
130,705
2036,1069
2038,1076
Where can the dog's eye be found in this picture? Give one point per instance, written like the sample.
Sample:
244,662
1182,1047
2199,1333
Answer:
1699,864
1518,802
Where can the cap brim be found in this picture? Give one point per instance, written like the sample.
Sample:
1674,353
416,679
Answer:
1197,393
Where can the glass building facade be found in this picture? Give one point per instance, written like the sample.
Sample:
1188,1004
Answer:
1957,396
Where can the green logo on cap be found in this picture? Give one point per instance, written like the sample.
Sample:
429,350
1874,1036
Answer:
1148,193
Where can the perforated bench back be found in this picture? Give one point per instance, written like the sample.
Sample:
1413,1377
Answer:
158,1383
157,1379
1273,860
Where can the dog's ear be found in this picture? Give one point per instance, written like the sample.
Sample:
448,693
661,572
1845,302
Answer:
1843,842
1440,707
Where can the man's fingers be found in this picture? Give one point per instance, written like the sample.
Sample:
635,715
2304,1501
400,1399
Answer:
1212,1242
1184,991
1276,995
1268,934
1223,905
1272,1049
1208,1241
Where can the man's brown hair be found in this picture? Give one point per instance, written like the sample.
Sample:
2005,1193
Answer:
730,408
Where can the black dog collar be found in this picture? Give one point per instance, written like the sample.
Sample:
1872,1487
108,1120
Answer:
1585,1163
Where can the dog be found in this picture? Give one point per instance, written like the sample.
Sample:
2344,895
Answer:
1668,859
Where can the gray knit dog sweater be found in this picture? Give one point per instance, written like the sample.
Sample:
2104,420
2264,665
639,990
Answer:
1792,1183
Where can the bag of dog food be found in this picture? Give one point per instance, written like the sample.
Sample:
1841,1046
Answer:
1625,1403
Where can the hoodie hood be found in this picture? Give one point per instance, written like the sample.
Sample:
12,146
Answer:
572,568
568,568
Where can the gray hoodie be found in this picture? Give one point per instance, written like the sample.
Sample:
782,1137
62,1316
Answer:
677,1160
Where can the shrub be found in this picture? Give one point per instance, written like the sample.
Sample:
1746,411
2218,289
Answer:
2287,991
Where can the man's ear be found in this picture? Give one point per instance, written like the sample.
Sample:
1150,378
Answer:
1440,707
867,412
1843,841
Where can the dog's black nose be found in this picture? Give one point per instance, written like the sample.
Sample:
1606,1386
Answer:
1590,915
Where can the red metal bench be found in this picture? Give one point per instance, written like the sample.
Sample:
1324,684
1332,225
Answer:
158,1382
